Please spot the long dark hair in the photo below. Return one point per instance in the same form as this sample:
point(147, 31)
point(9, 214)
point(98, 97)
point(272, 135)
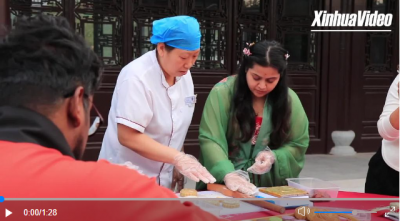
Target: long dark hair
point(266, 54)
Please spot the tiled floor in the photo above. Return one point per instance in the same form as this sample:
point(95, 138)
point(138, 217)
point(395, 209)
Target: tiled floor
point(347, 172)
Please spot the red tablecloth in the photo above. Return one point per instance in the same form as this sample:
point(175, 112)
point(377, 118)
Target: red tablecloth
point(351, 204)
point(344, 194)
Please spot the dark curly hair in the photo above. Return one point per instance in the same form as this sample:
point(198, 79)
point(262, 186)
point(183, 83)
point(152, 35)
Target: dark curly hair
point(42, 61)
point(266, 54)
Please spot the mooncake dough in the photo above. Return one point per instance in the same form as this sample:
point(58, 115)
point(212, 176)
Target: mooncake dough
point(231, 204)
point(188, 192)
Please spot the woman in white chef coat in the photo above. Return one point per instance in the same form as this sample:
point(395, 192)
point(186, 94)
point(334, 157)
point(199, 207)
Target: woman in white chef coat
point(152, 106)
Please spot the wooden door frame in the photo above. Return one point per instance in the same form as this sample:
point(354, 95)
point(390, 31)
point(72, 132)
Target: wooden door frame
point(5, 17)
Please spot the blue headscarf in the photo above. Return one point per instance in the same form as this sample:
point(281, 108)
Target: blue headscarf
point(181, 32)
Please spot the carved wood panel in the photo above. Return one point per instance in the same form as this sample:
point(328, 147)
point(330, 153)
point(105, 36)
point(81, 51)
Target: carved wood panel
point(100, 22)
point(143, 15)
point(214, 25)
point(250, 24)
point(34, 7)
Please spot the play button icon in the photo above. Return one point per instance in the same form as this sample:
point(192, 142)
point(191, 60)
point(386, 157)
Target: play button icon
point(8, 212)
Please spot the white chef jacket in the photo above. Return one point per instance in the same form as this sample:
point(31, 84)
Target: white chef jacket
point(390, 142)
point(144, 101)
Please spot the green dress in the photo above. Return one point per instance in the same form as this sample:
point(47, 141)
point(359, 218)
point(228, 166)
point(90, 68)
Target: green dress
point(221, 156)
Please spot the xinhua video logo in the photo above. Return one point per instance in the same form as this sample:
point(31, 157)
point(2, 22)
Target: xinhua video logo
point(360, 19)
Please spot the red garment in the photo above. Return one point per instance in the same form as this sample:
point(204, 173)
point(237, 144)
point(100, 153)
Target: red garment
point(257, 131)
point(32, 171)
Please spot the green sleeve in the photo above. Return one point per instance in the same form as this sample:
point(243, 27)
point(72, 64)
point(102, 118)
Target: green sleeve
point(290, 157)
point(212, 133)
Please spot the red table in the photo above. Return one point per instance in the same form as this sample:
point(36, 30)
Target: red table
point(358, 204)
point(344, 194)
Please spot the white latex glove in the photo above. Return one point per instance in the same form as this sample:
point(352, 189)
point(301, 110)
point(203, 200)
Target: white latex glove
point(190, 167)
point(263, 162)
point(239, 181)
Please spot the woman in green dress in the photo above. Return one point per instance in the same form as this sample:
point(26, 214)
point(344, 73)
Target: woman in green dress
point(254, 130)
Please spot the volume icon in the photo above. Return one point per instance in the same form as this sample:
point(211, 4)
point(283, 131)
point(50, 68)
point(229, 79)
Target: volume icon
point(302, 210)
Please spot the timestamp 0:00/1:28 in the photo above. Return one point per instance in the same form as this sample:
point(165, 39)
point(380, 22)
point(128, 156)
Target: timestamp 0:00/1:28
point(40, 212)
